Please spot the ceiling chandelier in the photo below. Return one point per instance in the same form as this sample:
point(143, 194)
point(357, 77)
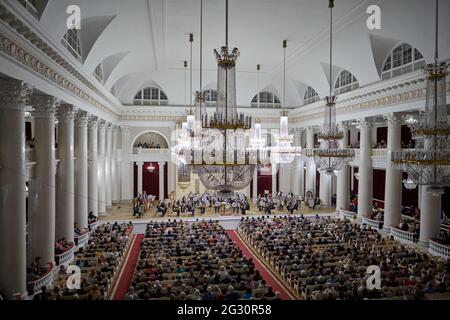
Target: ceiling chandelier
point(283, 151)
point(429, 165)
point(214, 147)
point(151, 168)
point(329, 158)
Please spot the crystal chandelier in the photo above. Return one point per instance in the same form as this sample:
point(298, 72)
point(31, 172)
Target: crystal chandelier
point(283, 151)
point(329, 158)
point(430, 165)
point(151, 168)
point(214, 146)
point(409, 184)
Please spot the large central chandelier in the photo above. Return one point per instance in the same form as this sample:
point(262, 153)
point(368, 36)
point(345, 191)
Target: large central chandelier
point(329, 158)
point(429, 165)
point(214, 146)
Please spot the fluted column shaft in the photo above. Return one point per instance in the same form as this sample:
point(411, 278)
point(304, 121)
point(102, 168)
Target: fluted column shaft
point(274, 178)
point(365, 188)
point(296, 167)
point(41, 205)
point(255, 184)
point(343, 183)
point(114, 167)
point(430, 215)
point(81, 170)
point(161, 180)
point(13, 96)
point(140, 166)
point(101, 168)
point(108, 166)
point(93, 165)
point(393, 185)
point(65, 178)
point(311, 166)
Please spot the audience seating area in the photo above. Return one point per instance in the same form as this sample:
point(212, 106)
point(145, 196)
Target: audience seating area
point(198, 261)
point(99, 262)
point(327, 258)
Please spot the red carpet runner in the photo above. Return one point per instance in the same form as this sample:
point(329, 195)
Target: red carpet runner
point(268, 277)
point(128, 269)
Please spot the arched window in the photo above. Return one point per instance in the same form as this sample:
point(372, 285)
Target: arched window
point(98, 73)
point(266, 99)
point(210, 96)
point(311, 96)
point(345, 82)
point(72, 43)
point(151, 96)
point(403, 59)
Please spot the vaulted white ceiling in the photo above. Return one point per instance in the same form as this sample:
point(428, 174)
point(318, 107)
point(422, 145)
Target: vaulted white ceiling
point(143, 42)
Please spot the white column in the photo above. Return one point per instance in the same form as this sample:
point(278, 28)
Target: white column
point(255, 184)
point(108, 165)
point(310, 166)
point(115, 176)
point(81, 170)
point(297, 170)
point(365, 198)
point(101, 168)
point(325, 190)
point(430, 216)
point(126, 165)
point(274, 178)
point(13, 96)
point(41, 200)
point(139, 177)
point(93, 165)
point(161, 180)
point(393, 186)
point(343, 187)
point(64, 223)
point(170, 178)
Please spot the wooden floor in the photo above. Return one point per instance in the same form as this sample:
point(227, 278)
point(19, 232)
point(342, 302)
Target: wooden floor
point(124, 211)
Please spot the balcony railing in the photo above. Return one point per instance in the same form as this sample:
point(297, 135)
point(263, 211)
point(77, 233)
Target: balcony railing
point(66, 257)
point(439, 250)
point(402, 236)
point(94, 225)
point(344, 214)
point(379, 153)
point(44, 281)
point(376, 224)
point(150, 151)
point(82, 239)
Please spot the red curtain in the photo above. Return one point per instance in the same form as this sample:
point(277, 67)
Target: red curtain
point(406, 135)
point(264, 182)
point(379, 180)
point(409, 197)
point(382, 134)
point(135, 178)
point(317, 182)
point(150, 180)
point(28, 133)
point(355, 181)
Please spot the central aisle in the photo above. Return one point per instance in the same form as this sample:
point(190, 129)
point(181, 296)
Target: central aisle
point(265, 273)
point(126, 275)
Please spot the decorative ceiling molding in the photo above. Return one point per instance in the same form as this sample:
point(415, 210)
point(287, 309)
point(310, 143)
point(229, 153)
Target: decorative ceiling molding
point(23, 57)
point(19, 27)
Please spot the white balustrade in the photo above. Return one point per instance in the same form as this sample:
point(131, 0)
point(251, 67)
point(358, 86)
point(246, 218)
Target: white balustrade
point(376, 224)
point(439, 250)
point(66, 257)
point(402, 236)
point(379, 153)
point(44, 281)
point(151, 151)
point(94, 225)
point(81, 240)
point(344, 214)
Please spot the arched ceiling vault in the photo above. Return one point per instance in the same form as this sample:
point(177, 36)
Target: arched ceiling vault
point(147, 40)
